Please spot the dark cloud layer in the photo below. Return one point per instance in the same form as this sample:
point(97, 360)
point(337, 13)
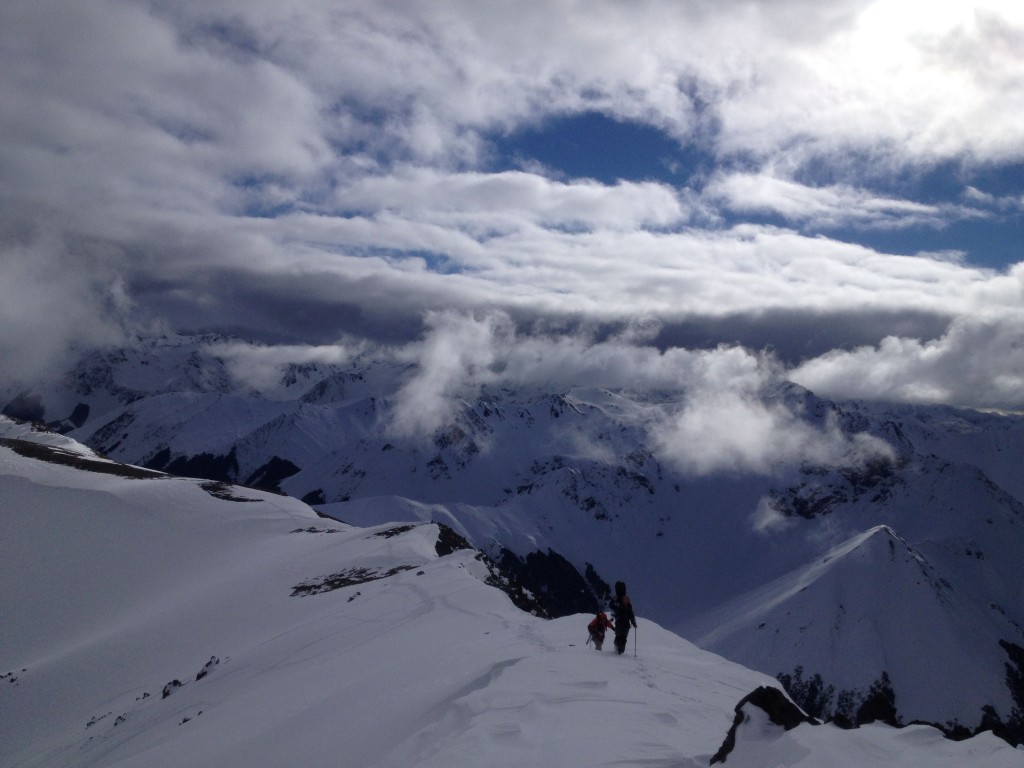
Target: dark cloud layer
point(797, 336)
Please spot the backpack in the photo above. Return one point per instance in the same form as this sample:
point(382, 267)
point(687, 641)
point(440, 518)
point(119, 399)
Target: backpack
point(621, 604)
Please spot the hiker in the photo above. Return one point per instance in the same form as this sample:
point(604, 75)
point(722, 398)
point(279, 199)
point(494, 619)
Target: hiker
point(597, 626)
point(624, 616)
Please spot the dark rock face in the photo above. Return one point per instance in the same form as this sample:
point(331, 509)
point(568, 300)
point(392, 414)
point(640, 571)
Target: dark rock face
point(207, 466)
point(522, 598)
point(315, 497)
point(824, 491)
point(26, 406)
point(79, 415)
point(449, 541)
point(77, 418)
point(879, 704)
point(346, 578)
point(598, 586)
point(269, 476)
point(780, 709)
point(553, 579)
point(775, 703)
point(1013, 728)
point(66, 458)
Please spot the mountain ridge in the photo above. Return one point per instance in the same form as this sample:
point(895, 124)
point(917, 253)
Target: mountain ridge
point(577, 471)
point(180, 630)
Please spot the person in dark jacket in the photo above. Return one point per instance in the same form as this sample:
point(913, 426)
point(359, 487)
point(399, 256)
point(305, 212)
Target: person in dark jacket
point(622, 606)
point(597, 627)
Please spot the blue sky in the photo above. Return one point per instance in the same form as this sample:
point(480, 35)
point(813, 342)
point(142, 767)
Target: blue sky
point(838, 187)
point(595, 146)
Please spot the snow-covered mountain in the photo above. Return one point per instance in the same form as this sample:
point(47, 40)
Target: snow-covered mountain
point(828, 613)
point(898, 576)
point(151, 620)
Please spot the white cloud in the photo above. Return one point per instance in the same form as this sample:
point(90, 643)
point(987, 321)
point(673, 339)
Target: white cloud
point(315, 169)
point(722, 425)
point(502, 258)
point(769, 519)
point(905, 80)
point(51, 308)
point(455, 359)
point(262, 366)
point(478, 200)
point(837, 205)
point(1012, 203)
point(979, 362)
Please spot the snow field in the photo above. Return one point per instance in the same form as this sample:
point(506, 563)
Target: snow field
point(116, 588)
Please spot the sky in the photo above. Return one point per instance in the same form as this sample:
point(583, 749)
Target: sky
point(836, 190)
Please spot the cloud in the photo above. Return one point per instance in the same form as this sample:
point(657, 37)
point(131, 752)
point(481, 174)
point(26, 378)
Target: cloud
point(978, 362)
point(455, 359)
point(767, 518)
point(51, 308)
point(505, 259)
point(831, 206)
point(304, 173)
point(1003, 203)
point(893, 80)
point(261, 367)
point(722, 424)
point(480, 202)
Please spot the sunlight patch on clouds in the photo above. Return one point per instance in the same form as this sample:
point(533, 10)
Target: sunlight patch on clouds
point(905, 81)
point(885, 31)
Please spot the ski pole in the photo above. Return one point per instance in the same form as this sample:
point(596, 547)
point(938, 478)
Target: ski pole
point(635, 633)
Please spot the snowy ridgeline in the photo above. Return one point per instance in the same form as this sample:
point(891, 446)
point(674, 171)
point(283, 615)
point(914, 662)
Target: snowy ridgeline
point(155, 621)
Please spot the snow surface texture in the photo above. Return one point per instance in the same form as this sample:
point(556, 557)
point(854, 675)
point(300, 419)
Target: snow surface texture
point(905, 565)
point(153, 621)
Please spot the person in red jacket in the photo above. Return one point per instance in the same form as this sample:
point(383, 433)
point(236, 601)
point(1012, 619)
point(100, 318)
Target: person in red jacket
point(597, 626)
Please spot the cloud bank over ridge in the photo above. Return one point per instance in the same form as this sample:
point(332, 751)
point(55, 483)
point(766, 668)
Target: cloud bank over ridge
point(727, 415)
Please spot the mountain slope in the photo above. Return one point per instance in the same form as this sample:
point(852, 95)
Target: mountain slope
point(824, 619)
point(155, 621)
point(542, 475)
